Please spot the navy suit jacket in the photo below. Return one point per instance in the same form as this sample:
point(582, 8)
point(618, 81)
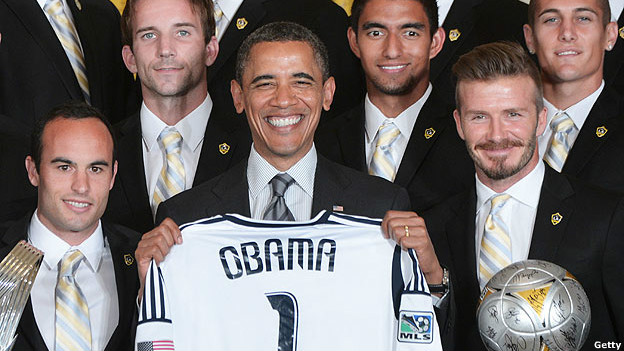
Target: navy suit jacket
point(122, 243)
point(588, 242)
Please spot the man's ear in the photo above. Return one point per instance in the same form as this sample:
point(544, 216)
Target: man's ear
point(31, 168)
point(128, 58)
point(237, 96)
point(458, 125)
point(353, 43)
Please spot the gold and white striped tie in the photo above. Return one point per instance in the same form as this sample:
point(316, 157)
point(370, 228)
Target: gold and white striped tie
point(560, 144)
point(172, 178)
point(67, 35)
point(495, 252)
point(218, 15)
point(73, 329)
point(382, 163)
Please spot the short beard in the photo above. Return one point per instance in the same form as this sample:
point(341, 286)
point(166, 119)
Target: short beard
point(397, 90)
point(499, 171)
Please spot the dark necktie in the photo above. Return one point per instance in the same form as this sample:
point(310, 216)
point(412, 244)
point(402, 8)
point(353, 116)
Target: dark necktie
point(277, 209)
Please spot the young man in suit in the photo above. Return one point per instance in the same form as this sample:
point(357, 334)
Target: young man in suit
point(239, 18)
point(73, 166)
point(36, 70)
point(395, 41)
point(614, 59)
point(180, 137)
point(585, 124)
point(519, 205)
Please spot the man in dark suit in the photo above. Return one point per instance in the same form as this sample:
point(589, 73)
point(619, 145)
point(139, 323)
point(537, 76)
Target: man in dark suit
point(517, 200)
point(395, 41)
point(73, 166)
point(584, 115)
point(469, 23)
point(614, 59)
point(36, 72)
point(175, 97)
point(323, 17)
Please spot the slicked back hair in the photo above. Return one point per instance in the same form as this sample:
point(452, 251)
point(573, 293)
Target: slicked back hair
point(281, 32)
point(430, 6)
point(203, 8)
point(497, 60)
point(70, 110)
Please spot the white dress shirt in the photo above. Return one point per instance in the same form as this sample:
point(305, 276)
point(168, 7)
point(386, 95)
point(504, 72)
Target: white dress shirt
point(444, 6)
point(518, 213)
point(577, 112)
point(405, 121)
point(95, 277)
point(298, 196)
point(229, 8)
point(616, 9)
point(192, 128)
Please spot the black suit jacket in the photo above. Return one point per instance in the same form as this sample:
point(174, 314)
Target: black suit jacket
point(36, 73)
point(323, 17)
point(129, 202)
point(477, 22)
point(614, 61)
point(596, 159)
point(357, 193)
point(432, 169)
point(588, 242)
point(122, 243)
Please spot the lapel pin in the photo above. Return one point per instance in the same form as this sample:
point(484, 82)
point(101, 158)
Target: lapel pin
point(128, 259)
point(241, 23)
point(601, 131)
point(621, 32)
point(429, 132)
point(454, 34)
point(224, 148)
point(78, 5)
point(556, 218)
point(337, 208)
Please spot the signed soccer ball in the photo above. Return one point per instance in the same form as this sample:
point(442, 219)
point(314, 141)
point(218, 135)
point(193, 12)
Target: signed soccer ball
point(533, 305)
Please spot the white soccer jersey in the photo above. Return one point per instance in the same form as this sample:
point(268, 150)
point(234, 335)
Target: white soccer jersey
point(325, 284)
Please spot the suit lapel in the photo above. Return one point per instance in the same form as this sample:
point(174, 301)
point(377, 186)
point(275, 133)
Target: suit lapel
point(27, 327)
point(41, 31)
point(329, 185)
point(604, 113)
point(130, 155)
point(553, 211)
point(252, 11)
point(458, 24)
point(351, 139)
point(233, 192)
point(431, 122)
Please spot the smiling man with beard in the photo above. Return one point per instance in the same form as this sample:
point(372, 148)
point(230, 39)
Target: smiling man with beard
point(519, 208)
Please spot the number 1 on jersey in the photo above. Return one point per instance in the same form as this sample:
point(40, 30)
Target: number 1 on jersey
point(286, 306)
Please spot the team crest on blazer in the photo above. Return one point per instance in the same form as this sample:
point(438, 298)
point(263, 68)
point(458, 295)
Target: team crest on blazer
point(128, 259)
point(454, 34)
point(224, 148)
point(241, 23)
point(601, 131)
point(622, 32)
point(556, 218)
point(429, 132)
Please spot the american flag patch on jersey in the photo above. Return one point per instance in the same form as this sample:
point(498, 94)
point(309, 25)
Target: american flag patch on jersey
point(155, 345)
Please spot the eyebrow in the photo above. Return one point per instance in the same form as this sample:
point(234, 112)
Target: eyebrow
point(303, 75)
point(576, 10)
point(270, 76)
point(94, 163)
point(415, 25)
point(262, 77)
point(177, 25)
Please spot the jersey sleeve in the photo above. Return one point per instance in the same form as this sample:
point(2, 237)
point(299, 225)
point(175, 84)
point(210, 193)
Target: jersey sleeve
point(155, 326)
point(417, 324)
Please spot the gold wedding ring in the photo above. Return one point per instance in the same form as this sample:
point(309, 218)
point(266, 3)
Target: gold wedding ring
point(406, 231)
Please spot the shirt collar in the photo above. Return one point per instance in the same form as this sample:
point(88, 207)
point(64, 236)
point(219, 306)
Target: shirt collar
point(577, 112)
point(260, 172)
point(55, 248)
point(192, 127)
point(229, 7)
point(527, 190)
point(405, 121)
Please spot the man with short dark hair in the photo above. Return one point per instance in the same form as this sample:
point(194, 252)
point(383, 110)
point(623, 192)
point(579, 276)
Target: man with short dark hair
point(519, 208)
point(91, 306)
point(181, 136)
point(585, 124)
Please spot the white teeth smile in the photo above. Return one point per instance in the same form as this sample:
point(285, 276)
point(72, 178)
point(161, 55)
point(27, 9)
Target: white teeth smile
point(77, 204)
point(567, 53)
point(393, 67)
point(283, 122)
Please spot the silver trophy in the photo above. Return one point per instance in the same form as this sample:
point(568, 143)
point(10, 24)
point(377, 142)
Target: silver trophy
point(17, 274)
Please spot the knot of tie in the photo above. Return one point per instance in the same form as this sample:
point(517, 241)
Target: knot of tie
point(388, 134)
point(280, 183)
point(70, 262)
point(561, 143)
point(277, 209)
point(562, 123)
point(171, 140)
